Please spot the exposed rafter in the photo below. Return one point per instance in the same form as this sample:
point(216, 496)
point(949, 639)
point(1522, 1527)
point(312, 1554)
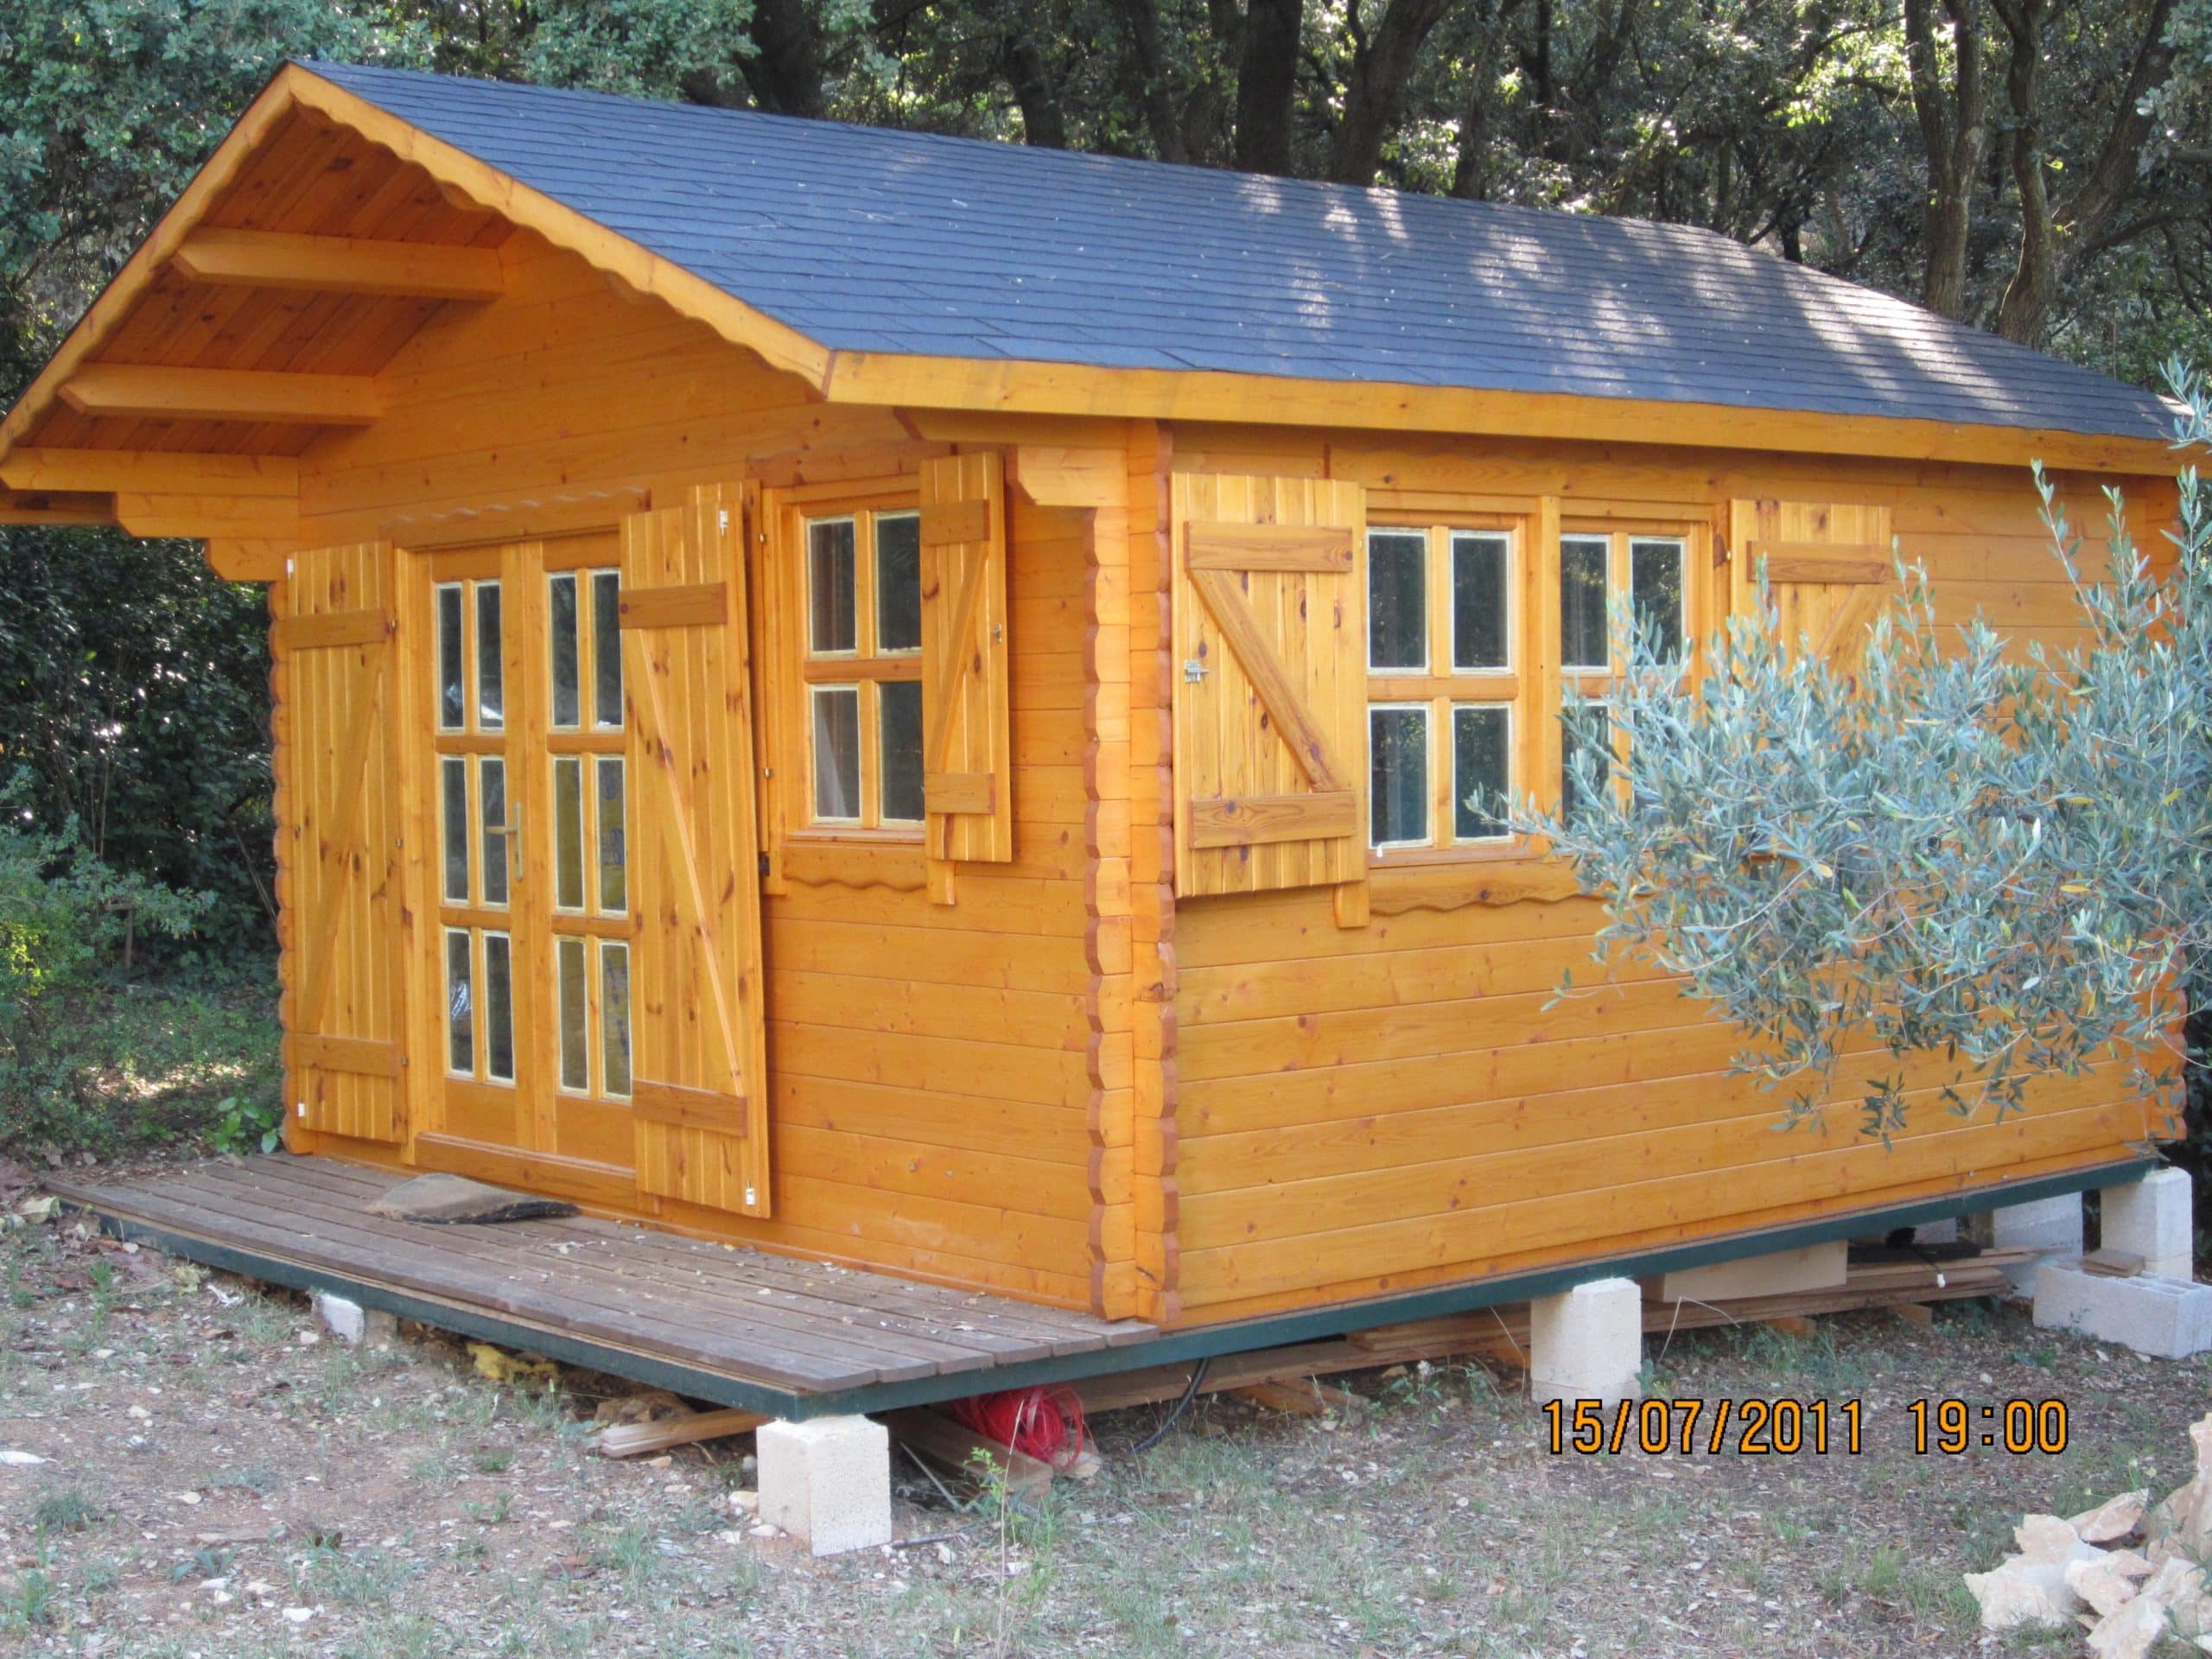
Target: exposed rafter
point(55, 507)
point(339, 265)
point(132, 392)
point(149, 471)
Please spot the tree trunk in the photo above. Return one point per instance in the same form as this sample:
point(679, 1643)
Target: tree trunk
point(1953, 126)
point(2027, 296)
point(1044, 123)
point(1380, 66)
point(1159, 96)
point(1267, 79)
point(784, 70)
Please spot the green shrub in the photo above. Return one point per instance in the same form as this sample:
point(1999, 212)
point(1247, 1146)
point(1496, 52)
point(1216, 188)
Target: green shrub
point(95, 1056)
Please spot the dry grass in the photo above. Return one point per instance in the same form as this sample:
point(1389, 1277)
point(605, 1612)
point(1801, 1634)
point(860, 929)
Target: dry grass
point(211, 1468)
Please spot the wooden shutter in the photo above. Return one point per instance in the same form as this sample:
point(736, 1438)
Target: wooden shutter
point(698, 1041)
point(343, 1013)
point(967, 745)
point(1829, 565)
point(1270, 683)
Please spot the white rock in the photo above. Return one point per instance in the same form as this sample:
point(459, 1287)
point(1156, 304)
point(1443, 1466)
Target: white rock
point(2021, 1592)
point(299, 1615)
point(14, 1459)
point(2131, 1631)
point(2114, 1518)
point(2096, 1582)
point(2047, 1538)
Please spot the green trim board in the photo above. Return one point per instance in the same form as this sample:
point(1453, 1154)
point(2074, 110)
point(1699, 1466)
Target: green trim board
point(1201, 1341)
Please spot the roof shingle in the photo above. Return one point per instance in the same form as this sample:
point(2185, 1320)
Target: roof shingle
point(865, 239)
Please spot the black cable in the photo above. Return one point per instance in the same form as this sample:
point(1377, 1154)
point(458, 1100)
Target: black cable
point(1190, 1393)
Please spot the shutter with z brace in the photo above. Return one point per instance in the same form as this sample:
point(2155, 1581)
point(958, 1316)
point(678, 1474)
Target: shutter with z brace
point(340, 812)
point(1829, 565)
point(699, 1060)
point(1270, 683)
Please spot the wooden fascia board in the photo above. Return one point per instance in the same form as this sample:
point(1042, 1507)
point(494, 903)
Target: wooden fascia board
point(1055, 388)
point(779, 344)
point(341, 264)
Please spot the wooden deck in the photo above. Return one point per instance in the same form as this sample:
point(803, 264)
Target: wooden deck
point(738, 1326)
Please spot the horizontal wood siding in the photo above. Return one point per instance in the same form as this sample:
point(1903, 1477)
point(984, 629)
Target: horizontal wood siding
point(932, 1070)
point(1374, 1109)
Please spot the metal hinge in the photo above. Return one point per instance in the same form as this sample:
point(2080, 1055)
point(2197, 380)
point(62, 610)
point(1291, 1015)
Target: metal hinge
point(721, 520)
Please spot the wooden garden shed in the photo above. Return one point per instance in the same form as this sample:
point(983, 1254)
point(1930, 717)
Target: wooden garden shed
point(912, 702)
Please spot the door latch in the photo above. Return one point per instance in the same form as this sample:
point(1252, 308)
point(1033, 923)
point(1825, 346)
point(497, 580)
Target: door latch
point(1194, 672)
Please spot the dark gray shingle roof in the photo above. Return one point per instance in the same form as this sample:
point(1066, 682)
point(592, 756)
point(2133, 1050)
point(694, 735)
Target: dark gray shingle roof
point(868, 239)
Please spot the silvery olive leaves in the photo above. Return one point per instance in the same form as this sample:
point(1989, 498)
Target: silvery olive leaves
point(1997, 861)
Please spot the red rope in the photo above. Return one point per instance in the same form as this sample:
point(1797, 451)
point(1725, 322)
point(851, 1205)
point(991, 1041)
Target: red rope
point(1043, 1423)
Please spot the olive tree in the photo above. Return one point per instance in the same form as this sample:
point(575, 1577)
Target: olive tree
point(1998, 858)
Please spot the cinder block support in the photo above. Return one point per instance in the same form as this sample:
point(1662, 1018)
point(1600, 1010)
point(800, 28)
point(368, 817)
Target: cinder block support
point(2153, 1218)
point(2169, 1319)
point(2052, 1227)
point(827, 1481)
point(1588, 1343)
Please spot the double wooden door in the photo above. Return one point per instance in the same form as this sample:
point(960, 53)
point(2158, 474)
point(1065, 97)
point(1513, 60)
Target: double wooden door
point(533, 807)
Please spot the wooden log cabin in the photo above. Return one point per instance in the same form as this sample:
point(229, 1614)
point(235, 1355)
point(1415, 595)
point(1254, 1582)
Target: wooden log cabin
point(914, 703)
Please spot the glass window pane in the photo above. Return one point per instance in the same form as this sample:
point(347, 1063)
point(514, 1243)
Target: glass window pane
point(829, 576)
point(576, 1062)
point(613, 851)
point(900, 716)
point(561, 619)
point(1654, 581)
point(491, 803)
point(1582, 632)
point(1589, 725)
point(1480, 601)
point(460, 1005)
point(452, 770)
point(606, 647)
point(491, 672)
point(568, 831)
point(1481, 771)
point(499, 1009)
point(838, 752)
point(1397, 599)
point(1398, 757)
point(899, 581)
point(452, 701)
point(614, 1017)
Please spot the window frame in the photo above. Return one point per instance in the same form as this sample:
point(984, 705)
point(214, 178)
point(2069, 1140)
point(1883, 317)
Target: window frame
point(1444, 686)
point(792, 671)
point(1595, 685)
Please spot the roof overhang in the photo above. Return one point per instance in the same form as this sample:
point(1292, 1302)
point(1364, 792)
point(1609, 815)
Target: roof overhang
point(249, 502)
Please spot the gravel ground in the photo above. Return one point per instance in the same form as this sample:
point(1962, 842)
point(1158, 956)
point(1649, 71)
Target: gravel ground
point(221, 1479)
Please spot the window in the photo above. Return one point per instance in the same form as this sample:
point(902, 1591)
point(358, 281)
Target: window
point(1441, 686)
point(860, 575)
point(1652, 572)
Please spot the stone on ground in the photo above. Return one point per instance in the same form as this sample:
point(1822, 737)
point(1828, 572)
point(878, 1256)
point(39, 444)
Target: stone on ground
point(454, 1200)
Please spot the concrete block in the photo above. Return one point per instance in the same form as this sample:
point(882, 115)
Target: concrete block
point(1815, 1267)
point(1587, 1343)
point(2170, 1318)
point(2154, 1218)
point(827, 1481)
point(2049, 1226)
point(353, 1324)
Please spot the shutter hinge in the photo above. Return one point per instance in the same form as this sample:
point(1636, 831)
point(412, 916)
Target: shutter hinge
point(764, 863)
point(721, 521)
point(749, 1197)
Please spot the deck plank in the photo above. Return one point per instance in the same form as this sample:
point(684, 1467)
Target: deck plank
point(786, 1323)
